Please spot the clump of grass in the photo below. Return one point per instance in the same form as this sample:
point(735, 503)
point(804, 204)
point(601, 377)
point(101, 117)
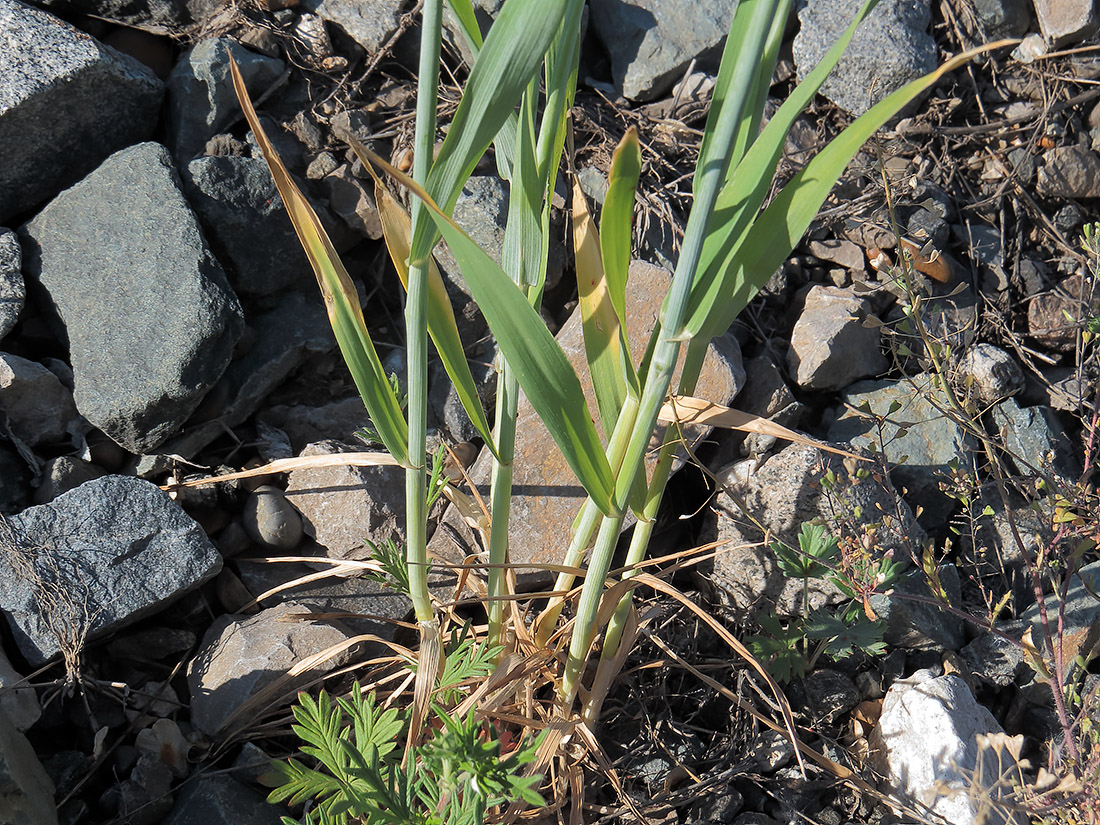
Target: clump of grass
point(517, 99)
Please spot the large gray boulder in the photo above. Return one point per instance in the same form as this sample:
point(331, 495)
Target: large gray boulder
point(95, 559)
point(66, 102)
point(890, 48)
point(148, 316)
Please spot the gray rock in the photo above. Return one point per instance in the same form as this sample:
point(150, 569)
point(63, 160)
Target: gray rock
point(15, 479)
point(996, 660)
point(830, 694)
point(919, 441)
point(26, 792)
point(64, 473)
point(1069, 172)
point(349, 199)
point(1064, 22)
point(240, 656)
point(1054, 317)
point(988, 374)
point(149, 318)
point(913, 624)
point(38, 407)
point(771, 750)
point(890, 48)
point(244, 219)
point(285, 337)
point(344, 508)
point(95, 559)
point(926, 745)
point(201, 100)
point(337, 420)
point(445, 404)
point(20, 704)
point(368, 25)
point(482, 210)
point(66, 103)
point(841, 252)
point(213, 799)
point(546, 494)
point(1035, 435)
point(270, 519)
point(651, 42)
point(830, 346)
point(1003, 18)
point(1081, 611)
point(13, 293)
point(950, 320)
point(782, 494)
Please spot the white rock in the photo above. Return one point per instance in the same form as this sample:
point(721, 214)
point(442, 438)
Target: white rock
point(926, 744)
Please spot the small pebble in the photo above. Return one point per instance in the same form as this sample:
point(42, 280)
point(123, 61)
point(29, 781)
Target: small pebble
point(271, 520)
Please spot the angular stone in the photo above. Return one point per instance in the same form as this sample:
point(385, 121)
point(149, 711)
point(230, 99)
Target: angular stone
point(246, 223)
point(13, 292)
point(988, 373)
point(62, 474)
point(213, 799)
point(1069, 172)
point(781, 495)
point(546, 495)
point(1066, 21)
point(918, 440)
point(39, 407)
point(841, 252)
point(21, 703)
point(1053, 318)
point(1003, 18)
point(369, 25)
point(830, 346)
point(240, 656)
point(303, 424)
point(651, 42)
point(95, 559)
point(201, 100)
point(925, 744)
point(149, 318)
point(890, 48)
point(1037, 437)
point(344, 508)
point(917, 624)
point(66, 103)
point(26, 792)
point(349, 199)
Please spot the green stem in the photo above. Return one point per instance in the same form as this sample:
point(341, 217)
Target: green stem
point(709, 179)
point(416, 324)
point(501, 496)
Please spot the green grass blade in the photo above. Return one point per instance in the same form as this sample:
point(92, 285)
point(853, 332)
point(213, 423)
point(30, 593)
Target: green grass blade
point(543, 371)
point(341, 298)
point(616, 218)
point(464, 11)
point(603, 334)
point(397, 231)
point(780, 227)
point(748, 184)
point(511, 55)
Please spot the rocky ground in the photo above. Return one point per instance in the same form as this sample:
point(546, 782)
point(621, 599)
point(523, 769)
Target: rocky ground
point(158, 322)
